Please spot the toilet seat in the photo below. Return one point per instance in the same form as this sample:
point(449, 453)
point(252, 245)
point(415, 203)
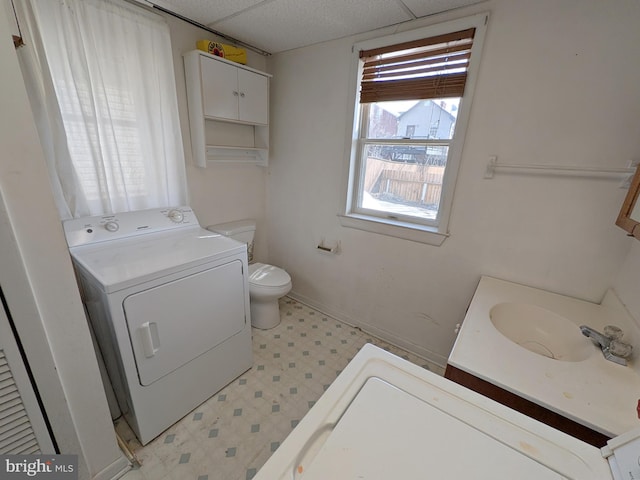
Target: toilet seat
point(267, 276)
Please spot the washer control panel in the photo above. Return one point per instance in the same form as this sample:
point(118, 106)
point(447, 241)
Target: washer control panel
point(101, 228)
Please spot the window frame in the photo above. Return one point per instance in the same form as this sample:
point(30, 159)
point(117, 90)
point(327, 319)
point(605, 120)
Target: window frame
point(429, 232)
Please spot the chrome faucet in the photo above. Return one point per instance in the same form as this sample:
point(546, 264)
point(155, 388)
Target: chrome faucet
point(613, 349)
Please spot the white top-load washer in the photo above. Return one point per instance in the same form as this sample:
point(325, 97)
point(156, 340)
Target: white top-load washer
point(168, 302)
point(385, 418)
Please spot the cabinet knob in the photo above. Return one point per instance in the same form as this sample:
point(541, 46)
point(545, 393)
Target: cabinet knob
point(235, 94)
point(242, 94)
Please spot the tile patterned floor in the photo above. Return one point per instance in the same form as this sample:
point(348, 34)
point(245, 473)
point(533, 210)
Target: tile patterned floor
point(230, 436)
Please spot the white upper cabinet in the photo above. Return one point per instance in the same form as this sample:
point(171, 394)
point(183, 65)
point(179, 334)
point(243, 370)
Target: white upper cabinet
point(234, 94)
point(222, 91)
point(253, 90)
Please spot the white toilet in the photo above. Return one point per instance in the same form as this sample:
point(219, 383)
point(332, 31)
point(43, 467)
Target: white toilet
point(266, 282)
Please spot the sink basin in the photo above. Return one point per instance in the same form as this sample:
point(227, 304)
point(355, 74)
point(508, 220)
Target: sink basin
point(541, 331)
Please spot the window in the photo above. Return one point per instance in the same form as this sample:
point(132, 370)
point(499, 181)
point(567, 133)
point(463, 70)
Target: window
point(413, 97)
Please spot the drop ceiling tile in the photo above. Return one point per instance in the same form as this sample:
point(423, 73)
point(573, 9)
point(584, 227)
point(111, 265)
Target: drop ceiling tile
point(281, 25)
point(422, 8)
point(206, 11)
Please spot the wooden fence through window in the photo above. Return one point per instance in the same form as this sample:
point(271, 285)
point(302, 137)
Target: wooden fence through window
point(407, 183)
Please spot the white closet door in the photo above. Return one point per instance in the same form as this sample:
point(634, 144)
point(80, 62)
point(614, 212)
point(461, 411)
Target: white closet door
point(22, 427)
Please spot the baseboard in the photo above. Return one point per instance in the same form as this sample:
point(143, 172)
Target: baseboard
point(115, 470)
point(382, 334)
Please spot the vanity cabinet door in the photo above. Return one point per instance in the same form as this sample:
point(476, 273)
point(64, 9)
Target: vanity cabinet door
point(219, 89)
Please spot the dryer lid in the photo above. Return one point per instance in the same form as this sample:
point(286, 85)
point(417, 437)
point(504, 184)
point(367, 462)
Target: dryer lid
point(267, 275)
point(120, 264)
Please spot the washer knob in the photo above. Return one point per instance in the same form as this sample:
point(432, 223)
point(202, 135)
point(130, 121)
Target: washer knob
point(176, 215)
point(111, 226)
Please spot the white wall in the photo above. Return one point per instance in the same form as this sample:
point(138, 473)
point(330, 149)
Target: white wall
point(627, 284)
point(218, 193)
point(557, 85)
point(41, 293)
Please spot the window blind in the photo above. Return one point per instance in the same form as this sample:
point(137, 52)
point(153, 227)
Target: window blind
point(434, 67)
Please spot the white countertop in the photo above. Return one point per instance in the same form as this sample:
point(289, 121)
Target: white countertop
point(594, 392)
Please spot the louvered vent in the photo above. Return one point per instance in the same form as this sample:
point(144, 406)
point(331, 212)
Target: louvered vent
point(16, 434)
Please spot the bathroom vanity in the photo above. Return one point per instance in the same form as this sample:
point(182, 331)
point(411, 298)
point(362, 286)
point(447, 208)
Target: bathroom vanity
point(523, 347)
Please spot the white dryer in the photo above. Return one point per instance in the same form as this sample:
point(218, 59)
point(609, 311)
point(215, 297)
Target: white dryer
point(168, 302)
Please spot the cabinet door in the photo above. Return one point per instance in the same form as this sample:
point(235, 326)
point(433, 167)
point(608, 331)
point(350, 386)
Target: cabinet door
point(254, 97)
point(219, 89)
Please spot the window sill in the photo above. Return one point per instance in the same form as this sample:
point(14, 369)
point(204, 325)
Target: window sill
point(404, 230)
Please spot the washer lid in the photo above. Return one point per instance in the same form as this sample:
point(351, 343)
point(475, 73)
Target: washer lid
point(386, 418)
point(387, 433)
point(622, 454)
point(267, 275)
point(119, 264)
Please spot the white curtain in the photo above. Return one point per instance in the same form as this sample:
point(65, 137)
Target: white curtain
point(101, 80)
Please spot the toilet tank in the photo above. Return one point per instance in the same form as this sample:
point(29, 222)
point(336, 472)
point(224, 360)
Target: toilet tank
point(241, 230)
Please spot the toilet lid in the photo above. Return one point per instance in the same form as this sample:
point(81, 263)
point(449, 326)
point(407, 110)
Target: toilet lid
point(267, 275)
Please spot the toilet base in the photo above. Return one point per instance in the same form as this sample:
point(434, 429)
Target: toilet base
point(265, 315)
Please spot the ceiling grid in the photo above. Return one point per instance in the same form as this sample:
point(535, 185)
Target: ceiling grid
point(280, 25)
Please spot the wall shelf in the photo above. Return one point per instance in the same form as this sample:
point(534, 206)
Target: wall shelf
point(235, 154)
